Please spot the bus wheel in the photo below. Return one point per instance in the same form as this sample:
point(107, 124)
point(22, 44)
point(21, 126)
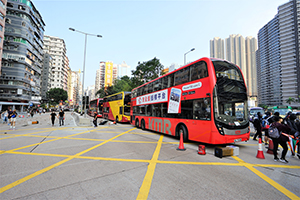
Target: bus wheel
point(137, 124)
point(117, 119)
point(182, 129)
point(143, 124)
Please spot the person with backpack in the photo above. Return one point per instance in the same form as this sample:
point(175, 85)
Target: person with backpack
point(275, 130)
point(265, 126)
point(258, 126)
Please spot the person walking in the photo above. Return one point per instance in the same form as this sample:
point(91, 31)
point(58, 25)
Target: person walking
point(52, 117)
point(258, 126)
point(95, 119)
point(13, 119)
point(61, 115)
point(9, 116)
point(5, 117)
point(281, 140)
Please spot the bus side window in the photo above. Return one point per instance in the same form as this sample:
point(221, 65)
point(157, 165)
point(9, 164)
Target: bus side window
point(198, 70)
point(171, 80)
point(150, 87)
point(187, 109)
point(149, 110)
point(164, 82)
point(201, 109)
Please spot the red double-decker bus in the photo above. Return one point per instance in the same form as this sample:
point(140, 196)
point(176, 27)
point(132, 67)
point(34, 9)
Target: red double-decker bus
point(96, 105)
point(205, 101)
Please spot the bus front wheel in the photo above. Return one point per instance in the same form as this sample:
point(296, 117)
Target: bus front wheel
point(182, 130)
point(117, 119)
point(137, 124)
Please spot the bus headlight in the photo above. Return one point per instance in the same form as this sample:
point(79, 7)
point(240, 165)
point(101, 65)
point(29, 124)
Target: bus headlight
point(220, 129)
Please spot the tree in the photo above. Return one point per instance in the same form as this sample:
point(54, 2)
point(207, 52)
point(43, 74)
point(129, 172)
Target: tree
point(146, 72)
point(122, 84)
point(57, 94)
point(290, 100)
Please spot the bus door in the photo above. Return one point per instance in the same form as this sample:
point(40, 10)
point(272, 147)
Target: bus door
point(120, 113)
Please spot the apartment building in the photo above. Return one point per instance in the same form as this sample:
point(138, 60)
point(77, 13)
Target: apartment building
point(278, 63)
point(22, 55)
point(56, 47)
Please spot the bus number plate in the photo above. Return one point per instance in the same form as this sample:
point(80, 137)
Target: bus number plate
point(238, 140)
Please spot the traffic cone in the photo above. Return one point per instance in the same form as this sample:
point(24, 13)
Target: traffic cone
point(260, 153)
point(270, 147)
point(201, 150)
point(181, 146)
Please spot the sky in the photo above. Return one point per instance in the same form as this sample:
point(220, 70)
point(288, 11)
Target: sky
point(139, 30)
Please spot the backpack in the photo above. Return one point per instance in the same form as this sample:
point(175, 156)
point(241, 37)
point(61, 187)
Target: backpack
point(274, 132)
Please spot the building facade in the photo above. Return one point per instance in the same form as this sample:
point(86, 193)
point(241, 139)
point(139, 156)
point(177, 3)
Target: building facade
point(56, 47)
point(46, 77)
point(278, 64)
point(241, 52)
point(2, 26)
point(22, 54)
point(217, 48)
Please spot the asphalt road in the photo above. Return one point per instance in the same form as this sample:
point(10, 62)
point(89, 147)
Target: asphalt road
point(38, 161)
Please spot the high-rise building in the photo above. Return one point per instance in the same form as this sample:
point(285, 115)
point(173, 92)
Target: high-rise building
point(235, 51)
point(22, 54)
point(278, 63)
point(251, 74)
point(123, 70)
point(105, 75)
point(56, 47)
point(75, 87)
point(46, 77)
point(217, 48)
point(2, 25)
point(241, 52)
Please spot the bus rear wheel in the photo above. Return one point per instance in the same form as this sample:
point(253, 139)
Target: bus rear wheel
point(182, 130)
point(143, 124)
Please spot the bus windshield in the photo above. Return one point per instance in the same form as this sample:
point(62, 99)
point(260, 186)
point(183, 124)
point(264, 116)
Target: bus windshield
point(230, 95)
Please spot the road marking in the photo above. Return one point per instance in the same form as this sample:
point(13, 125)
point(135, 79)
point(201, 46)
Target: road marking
point(267, 179)
point(22, 180)
point(146, 185)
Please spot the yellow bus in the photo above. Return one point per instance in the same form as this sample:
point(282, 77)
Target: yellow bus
point(116, 107)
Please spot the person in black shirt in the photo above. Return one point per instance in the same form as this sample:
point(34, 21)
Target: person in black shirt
point(61, 115)
point(52, 117)
point(95, 119)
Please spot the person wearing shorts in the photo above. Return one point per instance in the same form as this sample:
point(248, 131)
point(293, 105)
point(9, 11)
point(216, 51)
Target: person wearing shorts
point(13, 119)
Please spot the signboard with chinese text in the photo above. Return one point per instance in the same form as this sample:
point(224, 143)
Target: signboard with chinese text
point(155, 97)
point(108, 74)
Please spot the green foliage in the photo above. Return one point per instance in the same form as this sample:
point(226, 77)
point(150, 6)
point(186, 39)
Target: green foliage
point(57, 94)
point(263, 106)
point(146, 72)
point(290, 100)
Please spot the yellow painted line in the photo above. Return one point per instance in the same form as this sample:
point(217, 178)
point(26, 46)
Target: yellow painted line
point(22, 180)
point(58, 138)
point(268, 180)
point(146, 185)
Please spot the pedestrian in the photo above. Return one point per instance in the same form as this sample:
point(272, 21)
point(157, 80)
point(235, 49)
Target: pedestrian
point(5, 116)
point(258, 126)
point(13, 119)
point(95, 119)
point(61, 115)
point(31, 112)
point(290, 120)
point(52, 117)
point(282, 128)
point(9, 116)
point(265, 125)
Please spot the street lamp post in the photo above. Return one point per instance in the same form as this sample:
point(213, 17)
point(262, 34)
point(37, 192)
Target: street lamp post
point(187, 53)
point(86, 34)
